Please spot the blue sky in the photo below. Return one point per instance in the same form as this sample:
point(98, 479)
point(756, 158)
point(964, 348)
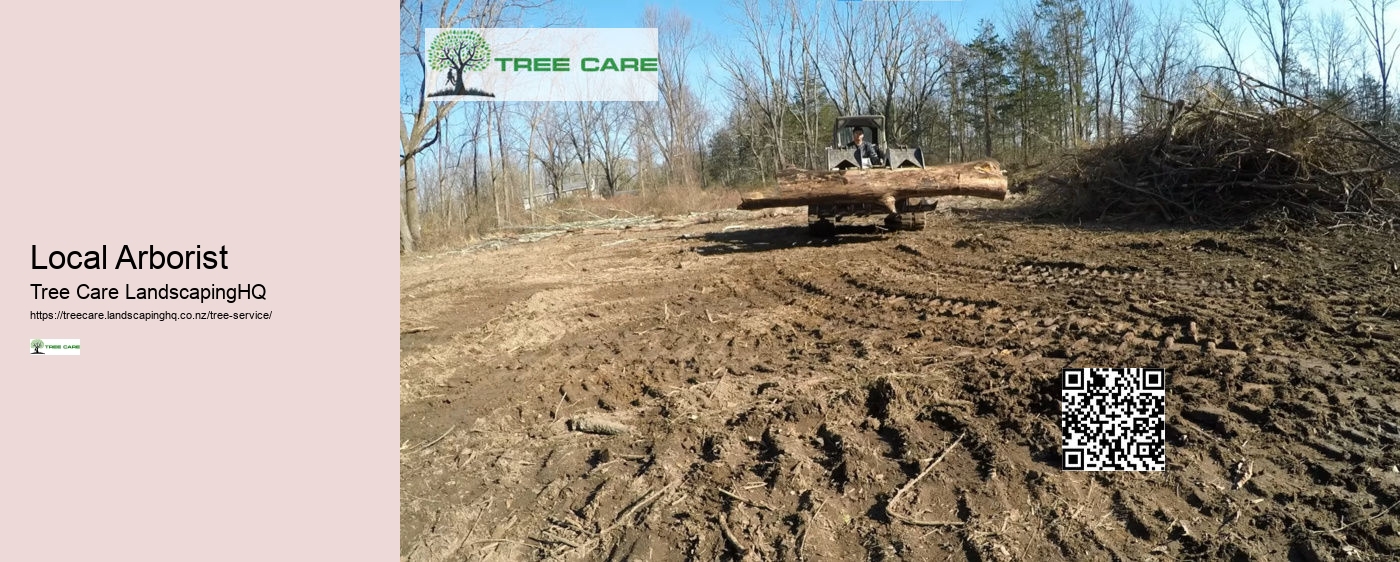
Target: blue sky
point(711, 18)
point(960, 16)
point(710, 15)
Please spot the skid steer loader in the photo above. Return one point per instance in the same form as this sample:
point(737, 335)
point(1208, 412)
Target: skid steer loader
point(909, 215)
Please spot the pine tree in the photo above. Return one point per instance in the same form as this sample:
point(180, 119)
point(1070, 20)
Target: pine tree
point(986, 83)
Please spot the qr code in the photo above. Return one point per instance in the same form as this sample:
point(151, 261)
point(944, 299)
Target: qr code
point(1113, 419)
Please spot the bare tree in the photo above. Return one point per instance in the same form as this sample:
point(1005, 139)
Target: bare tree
point(677, 120)
point(1275, 23)
point(1112, 25)
point(890, 32)
point(1124, 25)
point(1065, 35)
point(612, 138)
point(957, 58)
point(643, 147)
point(420, 117)
point(808, 93)
point(756, 64)
point(585, 117)
point(413, 134)
point(920, 85)
point(1165, 57)
point(554, 156)
point(1370, 14)
point(1333, 50)
point(1210, 18)
point(1024, 43)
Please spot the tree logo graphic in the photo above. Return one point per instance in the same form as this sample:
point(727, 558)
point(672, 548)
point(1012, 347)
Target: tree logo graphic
point(458, 51)
point(36, 344)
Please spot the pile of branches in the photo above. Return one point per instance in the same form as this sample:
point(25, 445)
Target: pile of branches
point(1281, 157)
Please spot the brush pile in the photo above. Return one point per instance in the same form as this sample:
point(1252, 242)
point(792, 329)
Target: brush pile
point(1284, 157)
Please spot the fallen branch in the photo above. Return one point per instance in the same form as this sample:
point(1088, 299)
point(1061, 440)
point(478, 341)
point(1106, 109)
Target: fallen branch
point(739, 548)
point(623, 520)
point(502, 541)
point(646, 500)
point(1354, 125)
point(425, 446)
point(1378, 515)
point(1275, 156)
point(557, 540)
point(736, 497)
point(554, 414)
point(890, 506)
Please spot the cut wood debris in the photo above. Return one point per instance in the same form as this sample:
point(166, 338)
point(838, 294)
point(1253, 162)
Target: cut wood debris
point(1274, 156)
point(598, 426)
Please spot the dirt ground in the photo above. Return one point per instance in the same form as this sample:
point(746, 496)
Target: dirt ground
point(770, 394)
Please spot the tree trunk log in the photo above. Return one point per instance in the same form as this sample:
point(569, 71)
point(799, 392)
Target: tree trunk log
point(405, 237)
point(405, 234)
point(410, 187)
point(982, 178)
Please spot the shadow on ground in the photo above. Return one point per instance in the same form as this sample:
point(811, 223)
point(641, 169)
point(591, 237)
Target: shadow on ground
point(785, 237)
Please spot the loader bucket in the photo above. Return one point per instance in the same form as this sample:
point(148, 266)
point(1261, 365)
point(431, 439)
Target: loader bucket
point(906, 158)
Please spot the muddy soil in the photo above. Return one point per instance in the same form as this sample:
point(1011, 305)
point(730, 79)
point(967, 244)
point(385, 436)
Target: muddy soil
point(737, 390)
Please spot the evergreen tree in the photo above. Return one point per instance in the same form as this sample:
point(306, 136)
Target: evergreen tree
point(986, 83)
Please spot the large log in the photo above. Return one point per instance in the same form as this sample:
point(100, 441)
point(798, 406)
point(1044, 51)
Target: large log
point(982, 178)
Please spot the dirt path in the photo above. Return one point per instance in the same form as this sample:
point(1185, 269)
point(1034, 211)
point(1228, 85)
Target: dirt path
point(780, 390)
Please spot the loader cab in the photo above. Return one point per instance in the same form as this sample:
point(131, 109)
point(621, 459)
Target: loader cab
point(845, 127)
point(839, 157)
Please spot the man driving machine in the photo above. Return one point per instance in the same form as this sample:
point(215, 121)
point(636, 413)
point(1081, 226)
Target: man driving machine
point(865, 150)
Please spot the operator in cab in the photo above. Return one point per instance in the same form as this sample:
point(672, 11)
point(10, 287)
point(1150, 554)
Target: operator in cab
point(864, 150)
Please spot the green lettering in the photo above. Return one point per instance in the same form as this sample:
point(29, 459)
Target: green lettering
point(522, 64)
point(649, 64)
point(609, 64)
point(583, 64)
point(561, 64)
point(503, 62)
point(629, 64)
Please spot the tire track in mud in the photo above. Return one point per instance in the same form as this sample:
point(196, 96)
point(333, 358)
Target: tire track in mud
point(902, 304)
point(788, 399)
point(967, 319)
point(879, 290)
point(1157, 306)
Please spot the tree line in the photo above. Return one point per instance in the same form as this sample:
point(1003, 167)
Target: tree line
point(1048, 76)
